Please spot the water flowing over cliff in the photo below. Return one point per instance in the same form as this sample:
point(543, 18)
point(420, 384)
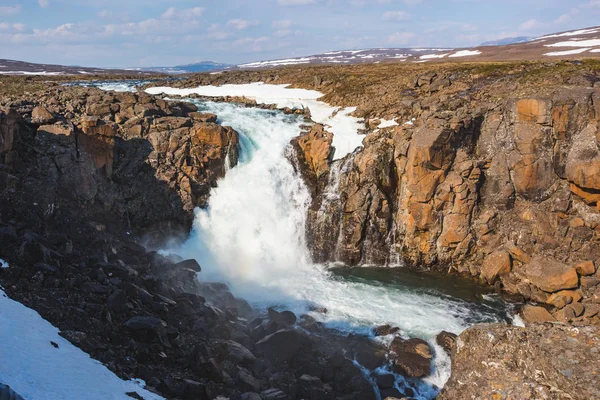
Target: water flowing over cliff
point(252, 236)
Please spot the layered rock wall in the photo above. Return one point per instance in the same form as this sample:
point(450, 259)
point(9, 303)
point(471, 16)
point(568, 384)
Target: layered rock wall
point(507, 192)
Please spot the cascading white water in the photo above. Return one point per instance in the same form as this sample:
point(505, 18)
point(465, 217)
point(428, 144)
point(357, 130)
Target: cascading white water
point(252, 236)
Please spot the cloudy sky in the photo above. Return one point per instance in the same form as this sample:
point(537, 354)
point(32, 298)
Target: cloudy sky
point(134, 33)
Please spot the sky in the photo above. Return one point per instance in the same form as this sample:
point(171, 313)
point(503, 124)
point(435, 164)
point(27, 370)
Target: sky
point(143, 33)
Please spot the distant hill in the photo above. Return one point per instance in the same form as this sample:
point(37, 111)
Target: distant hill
point(582, 43)
point(576, 44)
point(203, 66)
point(507, 41)
point(13, 67)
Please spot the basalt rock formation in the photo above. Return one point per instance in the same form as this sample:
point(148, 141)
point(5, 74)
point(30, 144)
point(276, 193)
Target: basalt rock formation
point(498, 185)
point(85, 176)
point(132, 160)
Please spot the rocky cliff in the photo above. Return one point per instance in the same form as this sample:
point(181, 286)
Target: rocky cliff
point(86, 178)
point(496, 181)
point(127, 159)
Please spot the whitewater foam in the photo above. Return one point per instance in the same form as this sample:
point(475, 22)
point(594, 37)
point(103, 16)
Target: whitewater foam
point(345, 128)
point(252, 236)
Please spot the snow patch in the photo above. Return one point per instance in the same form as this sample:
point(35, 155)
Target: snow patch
point(30, 73)
point(572, 33)
point(3, 264)
point(338, 121)
point(595, 51)
point(576, 43)
point(37, 370)
point(465, 53)
point(289, 61)
point(567, 52)
point(387, 124)
point(431, 56)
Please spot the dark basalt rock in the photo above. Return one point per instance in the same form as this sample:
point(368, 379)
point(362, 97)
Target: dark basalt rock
point(447, 341)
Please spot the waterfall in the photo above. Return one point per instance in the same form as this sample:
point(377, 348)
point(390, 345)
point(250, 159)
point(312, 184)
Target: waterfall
point(252, 237)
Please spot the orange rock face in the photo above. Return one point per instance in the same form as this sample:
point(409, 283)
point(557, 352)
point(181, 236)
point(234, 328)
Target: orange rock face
point(550, 275)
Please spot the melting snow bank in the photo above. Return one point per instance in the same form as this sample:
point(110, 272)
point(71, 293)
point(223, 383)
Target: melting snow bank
point(338, 121)
point(38, 364)
point(566, 52)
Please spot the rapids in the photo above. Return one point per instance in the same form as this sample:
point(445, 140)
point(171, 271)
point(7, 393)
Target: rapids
point(252, 237)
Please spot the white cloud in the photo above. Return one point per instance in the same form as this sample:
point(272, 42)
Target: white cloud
point(44, 3)
point(241, 24)
point(105, 14)
point(9, 10)
point(295, 2)
point(189, 13)
point(529, 25)
point(282, 24)
point(395, 16)
point(401, 38)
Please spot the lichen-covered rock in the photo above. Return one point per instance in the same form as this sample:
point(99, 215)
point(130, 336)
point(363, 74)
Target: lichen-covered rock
point(541, 361)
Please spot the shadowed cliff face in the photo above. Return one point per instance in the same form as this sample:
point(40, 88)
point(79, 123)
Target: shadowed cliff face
point(504, 190)
point(127, 160)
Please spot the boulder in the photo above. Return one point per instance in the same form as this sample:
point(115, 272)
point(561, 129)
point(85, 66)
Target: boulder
point(283, 345)
point(41, 116)
point(447, 341)
point(412, 357)
point(240, 354)
point(189, 264)
point(495, 265)
point(284, 318)
point(585, 268)
point(532, 314)
point(146, 329)
point(384, 330)
point(550, 275)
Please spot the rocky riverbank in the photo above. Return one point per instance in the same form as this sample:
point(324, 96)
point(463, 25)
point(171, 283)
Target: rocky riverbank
point(489, 173)
point(88, 176)
point(488, 170)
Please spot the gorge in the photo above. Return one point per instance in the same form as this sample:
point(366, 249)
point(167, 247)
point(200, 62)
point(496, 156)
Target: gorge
point(485, 172)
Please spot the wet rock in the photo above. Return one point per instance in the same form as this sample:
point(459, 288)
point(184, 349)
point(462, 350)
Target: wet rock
point(447, 341)
point(391, 393)
point(385, 381)
point(189, 264)
point(247, 380)
point(75, 337)
point(283, 345)
point(385, 330)
point(284, 318)
point(240, 354)
point(412, 357)
point(117, 301)
point(273, 394)
point(251, 396)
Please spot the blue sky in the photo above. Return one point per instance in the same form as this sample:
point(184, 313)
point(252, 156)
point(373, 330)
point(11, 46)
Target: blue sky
point(135, 33)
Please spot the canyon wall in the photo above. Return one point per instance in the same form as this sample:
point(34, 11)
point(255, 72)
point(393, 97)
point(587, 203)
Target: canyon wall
point(505, 190)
